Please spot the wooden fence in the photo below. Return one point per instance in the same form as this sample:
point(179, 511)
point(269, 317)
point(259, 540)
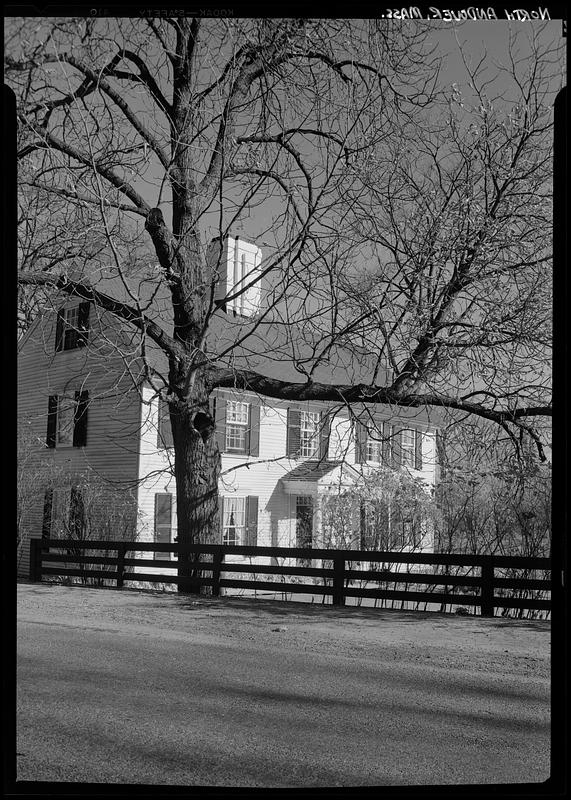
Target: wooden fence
point(340, 574)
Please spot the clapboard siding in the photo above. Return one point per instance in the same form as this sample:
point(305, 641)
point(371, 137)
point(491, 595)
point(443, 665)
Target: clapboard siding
point(122, 430)
point(276, 509)
point(113, 413)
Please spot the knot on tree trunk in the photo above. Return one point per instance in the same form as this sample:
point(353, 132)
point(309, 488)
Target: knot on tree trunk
point(204, 424)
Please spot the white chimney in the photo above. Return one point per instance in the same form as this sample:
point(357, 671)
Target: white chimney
point(236, 264)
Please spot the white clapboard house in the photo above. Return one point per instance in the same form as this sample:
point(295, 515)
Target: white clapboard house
point(89, 407)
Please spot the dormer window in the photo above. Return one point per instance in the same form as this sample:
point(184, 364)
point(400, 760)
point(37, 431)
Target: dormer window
point(72, 327)
point(236, 268)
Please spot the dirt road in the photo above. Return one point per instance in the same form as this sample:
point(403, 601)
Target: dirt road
point(136, 687)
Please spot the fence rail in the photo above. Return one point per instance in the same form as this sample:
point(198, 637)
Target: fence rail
point(339, 571)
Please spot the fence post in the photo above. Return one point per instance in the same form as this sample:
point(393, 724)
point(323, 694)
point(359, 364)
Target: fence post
point(35, 560)
point(121, 550)
point(338, 581)
point(217, 559)
point(487, 589)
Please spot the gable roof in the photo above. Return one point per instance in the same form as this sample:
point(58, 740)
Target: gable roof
point(275, 349)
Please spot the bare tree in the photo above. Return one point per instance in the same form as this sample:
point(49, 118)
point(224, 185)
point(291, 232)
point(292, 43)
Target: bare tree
point(294, 129)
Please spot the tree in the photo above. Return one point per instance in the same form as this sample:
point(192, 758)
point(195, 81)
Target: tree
point(285, 127)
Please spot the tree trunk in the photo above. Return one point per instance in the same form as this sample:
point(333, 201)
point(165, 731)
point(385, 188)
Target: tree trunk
point(197, 468)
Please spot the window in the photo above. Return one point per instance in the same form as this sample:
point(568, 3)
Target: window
point(411, 448)
point(237, 425)
point(378, 444)
point(237, 418)
point(234, 524)
point(392, 445)
point(163, 523)
point(307, 434)
point(72, 327)
point(373, 442)
point(240, 520)
point(67, 420)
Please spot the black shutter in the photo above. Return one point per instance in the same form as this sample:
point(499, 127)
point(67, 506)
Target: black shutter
point(324, 434)
point(164, 432)
point(59, 330)
point(76, 514)
point(418, 449)
point(80, 419)
point(293, 432)
point(52, 421)
point(47, 517)
point(220, 419)
point(396, 440)
point(361, 434)
point(83, 324)
point(251, 521)
point(254, 429)
point(387, 443)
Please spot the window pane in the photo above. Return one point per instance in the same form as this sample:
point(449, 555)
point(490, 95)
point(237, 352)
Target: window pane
point(309, 434)
point(236, 425)
point(71, 324)
point(234, 520)
point(65, 420)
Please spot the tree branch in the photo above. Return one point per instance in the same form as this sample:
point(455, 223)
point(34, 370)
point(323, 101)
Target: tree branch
point(119, 309)
point(362, 393)
point(49, 140)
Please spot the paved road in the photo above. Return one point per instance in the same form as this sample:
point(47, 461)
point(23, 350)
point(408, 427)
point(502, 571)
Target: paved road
point(177, 706)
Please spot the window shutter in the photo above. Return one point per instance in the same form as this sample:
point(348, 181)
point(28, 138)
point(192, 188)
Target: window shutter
point(324, 434)
point(80, 419)
point(47, 517)
point(293, 432)
point(361, 434)
point(220, 419)
point(387, 443)
point(83, 324)
point(251, 521)
point(418, 449)
point(59, 330)
point(76, 514)
point(52, 421)
point(221, 513)
point(254, 429)
point(164, 431)
point(396, 440)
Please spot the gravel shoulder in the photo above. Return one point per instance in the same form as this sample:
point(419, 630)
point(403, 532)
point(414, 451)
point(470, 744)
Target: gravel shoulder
point(506, 646)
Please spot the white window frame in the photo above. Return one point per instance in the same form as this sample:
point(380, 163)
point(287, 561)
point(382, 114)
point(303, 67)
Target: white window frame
point(237, 422)
point(233, 520)
point(309, 424)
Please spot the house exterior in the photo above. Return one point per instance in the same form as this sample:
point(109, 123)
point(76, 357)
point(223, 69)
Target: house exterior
point(87, 400)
